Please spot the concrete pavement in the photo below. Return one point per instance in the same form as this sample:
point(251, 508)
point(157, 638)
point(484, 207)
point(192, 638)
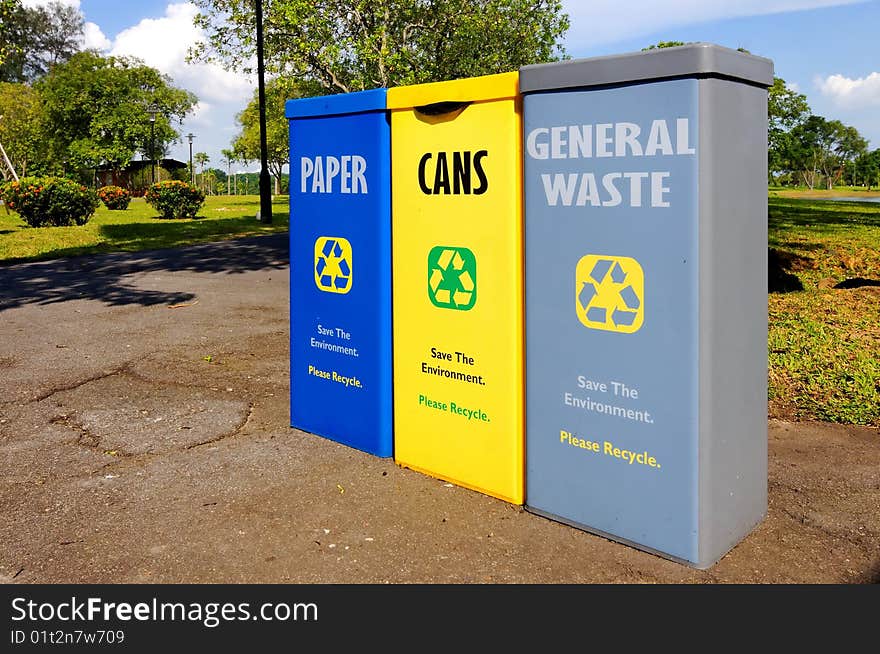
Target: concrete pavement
point(144, 438)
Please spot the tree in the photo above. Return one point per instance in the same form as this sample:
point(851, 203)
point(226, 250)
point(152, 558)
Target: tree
point(849, 146)
point(36, 38)
point(97, 109)
point(786, 109)
point(209, 182)
point(229, 158)
point(8, 47)
point(839, 145)
point(22, 129)
point(664, 44)
point(824, 147)
point(866, 169)
point(352, 45)
point(247, 143)
point(215, 180)
point(14, 26)
point(201, 159)
point(806, 149)
point(219, 174)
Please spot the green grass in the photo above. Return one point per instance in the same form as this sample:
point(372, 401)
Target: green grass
point(821, 192)
point(138, 228)
point(824, 345)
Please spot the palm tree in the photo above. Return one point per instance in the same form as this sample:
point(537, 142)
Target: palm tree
point(201, 158)
point(229, 157)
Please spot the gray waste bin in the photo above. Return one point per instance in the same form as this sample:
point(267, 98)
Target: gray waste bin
point(646, 296)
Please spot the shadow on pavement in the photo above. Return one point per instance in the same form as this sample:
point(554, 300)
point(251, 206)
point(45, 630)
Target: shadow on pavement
point(101, 277)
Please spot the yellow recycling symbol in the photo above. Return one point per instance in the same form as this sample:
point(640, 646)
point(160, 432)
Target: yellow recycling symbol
point(333, 272)
point(609, 293)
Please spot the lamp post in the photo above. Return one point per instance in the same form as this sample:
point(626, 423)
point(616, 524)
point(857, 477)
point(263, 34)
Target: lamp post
point(265, 215)
point(153, 110)
point(192, 172)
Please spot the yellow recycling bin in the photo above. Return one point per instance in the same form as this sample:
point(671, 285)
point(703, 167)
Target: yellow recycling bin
point(456, 152)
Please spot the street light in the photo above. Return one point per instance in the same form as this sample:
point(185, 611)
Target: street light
point(153, 110)
point(192, 172)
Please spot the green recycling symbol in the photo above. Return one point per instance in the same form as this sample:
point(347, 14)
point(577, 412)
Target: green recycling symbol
point(452, 278)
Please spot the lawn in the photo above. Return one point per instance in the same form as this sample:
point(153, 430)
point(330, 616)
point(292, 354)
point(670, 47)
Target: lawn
point(138, 228)
point(820, 193)
point(824, 346)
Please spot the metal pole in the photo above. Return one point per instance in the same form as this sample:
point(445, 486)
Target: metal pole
point(152, 110)
point(153, 150)
point(265, 215)
point(192, 172)
point(8, 170)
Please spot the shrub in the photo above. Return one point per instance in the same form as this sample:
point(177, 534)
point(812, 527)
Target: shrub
point(114, 198)
point(50, 201)
point(175, 199)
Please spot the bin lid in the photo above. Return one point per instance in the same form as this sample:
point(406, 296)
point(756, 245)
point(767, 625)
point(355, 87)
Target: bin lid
point(332, 105)
point(697, 59)
point(472, 89)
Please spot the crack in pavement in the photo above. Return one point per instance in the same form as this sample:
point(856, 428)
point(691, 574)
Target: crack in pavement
point(231, 434)
point(122, 369)
point(91, 441)
point(86, 438)
point(70, 387)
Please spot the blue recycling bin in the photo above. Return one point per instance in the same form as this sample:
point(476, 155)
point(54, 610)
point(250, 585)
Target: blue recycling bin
point(340, 269)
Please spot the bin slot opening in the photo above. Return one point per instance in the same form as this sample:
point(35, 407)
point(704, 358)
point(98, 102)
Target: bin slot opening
point(441, 108)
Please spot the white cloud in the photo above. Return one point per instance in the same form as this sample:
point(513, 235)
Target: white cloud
point(201, 115)
point(94, 38)
point(600, 22)
point(848, 93)
point(163, 43)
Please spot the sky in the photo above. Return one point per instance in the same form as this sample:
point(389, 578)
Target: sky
point(825, 49)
